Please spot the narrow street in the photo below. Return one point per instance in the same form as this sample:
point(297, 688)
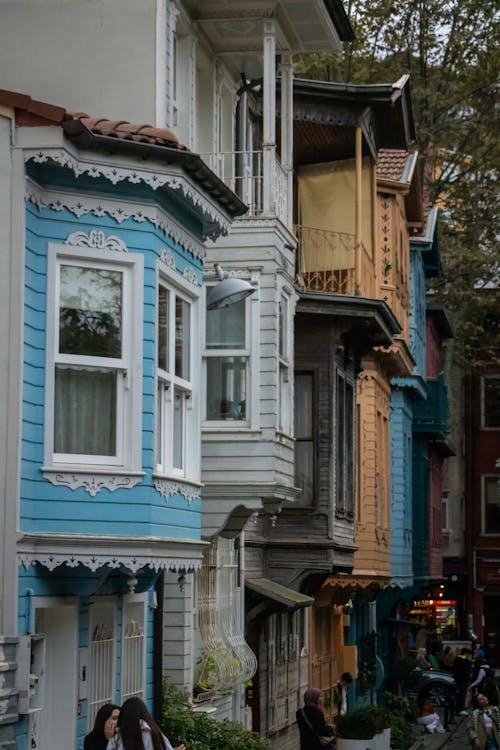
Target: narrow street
point(456, 739)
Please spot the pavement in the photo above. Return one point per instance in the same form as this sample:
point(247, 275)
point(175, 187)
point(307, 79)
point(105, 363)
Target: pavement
point(455, 739)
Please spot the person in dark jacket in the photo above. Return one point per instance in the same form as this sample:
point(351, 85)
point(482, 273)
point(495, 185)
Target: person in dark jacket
point(312, 724)
point(461, 674)
point(104, 728)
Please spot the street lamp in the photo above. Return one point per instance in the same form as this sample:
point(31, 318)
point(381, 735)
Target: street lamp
point(228, 291)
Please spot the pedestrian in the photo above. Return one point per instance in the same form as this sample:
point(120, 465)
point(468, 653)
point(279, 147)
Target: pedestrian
point(137, 730)
point(461, 675)
point(341, 693)
point(315, 733)
point(483, 681)
point(483, 727)
point(104, 728)
point(429, 718)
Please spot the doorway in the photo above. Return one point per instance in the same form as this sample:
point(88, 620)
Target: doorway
point(55, 725)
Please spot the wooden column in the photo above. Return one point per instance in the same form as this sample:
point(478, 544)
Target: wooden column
point(269, 116)
point(358, 210)
point(287, 130)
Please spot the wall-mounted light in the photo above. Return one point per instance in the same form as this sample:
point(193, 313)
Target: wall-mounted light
point(228, 291)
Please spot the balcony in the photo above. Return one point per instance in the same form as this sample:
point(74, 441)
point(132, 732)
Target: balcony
point(333, 262)
point(431, 416)
point(243, 172)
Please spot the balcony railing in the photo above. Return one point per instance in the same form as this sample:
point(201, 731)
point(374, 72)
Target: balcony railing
point(243, 172)
point(333, 262)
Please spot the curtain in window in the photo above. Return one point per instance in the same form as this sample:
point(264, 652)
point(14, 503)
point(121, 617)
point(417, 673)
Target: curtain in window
point(85, 411)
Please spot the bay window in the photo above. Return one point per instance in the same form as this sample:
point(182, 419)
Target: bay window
point(305, 461)
point(344, 448)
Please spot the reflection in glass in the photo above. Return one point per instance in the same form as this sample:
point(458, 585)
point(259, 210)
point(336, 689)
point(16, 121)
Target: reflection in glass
point(90, 311)
point(226, 330)
point(163, 328)
point(304, 435)
point(85, 411)
point(182, 324)
point(178, 458)
point(226, 388)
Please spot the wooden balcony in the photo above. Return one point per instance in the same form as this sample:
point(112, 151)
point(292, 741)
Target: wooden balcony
point(243, 172)
point(333, 262)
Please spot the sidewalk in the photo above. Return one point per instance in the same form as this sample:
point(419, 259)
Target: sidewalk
point(456, 739)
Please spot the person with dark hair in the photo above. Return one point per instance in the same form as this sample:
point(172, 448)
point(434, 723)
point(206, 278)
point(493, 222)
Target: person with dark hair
point(315, 733)
point(483, 727)
point(483, 681)
point(341, 693)
point(103, 729)
point(137, 730)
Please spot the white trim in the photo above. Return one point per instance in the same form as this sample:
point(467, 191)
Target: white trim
point(155, 177)
point(168, 487)
point(119, 210)
point(129, 452)
point(92, 482)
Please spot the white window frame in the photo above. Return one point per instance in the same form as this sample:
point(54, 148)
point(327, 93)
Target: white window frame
point(484, 479)
point(484, 426)
point(169, 383)
point(445, 512)
point(129, 387)
point(252, 340)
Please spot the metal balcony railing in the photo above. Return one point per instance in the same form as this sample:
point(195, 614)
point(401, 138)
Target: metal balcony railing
point(333, 262)
point(431, 416)
point(243, 172)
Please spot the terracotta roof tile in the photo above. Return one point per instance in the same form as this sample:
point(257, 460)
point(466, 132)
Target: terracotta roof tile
point(391, 164)
point(139, 133)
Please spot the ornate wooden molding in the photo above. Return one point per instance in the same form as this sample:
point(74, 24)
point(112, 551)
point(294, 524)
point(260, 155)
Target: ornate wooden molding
point(92, 482)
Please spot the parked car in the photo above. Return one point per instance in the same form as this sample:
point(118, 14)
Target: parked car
point(439, 686)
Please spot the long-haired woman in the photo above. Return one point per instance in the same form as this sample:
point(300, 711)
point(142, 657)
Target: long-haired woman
point(137, 730)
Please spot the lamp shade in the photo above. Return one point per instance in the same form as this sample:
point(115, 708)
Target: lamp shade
point(227, 292)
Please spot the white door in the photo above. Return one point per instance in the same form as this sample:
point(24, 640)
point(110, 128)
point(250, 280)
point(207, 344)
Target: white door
point(57, 719)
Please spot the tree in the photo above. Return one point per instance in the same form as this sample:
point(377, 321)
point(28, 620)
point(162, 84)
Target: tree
point(450, 48)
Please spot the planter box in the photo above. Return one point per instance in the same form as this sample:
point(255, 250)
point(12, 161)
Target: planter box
point(343, 744)
point(381, 741)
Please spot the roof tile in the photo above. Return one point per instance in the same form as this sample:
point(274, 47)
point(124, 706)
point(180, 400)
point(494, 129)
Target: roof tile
point(391, 164)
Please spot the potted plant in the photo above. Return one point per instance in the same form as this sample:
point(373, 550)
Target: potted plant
point(356, 729)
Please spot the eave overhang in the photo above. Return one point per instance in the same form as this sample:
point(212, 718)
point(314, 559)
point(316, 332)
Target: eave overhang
point(277, 594)
point(383, 111)
point(440, 316)
point(192, 164)
point(397, 358)
point(416, 386)
point(370, 321)
point(97, 551)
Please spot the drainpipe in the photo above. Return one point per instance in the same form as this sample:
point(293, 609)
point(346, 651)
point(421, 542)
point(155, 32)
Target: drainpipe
point(158, 647)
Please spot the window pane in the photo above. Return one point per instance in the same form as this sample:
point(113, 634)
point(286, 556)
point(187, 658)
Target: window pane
point(491, 402)
point(492, 499)
point(340, 445)
point(303, 405)
point(304, 469)
point(282, 328)
point(85, 411)
point(182, 335)
point(163, 328)
point(226, 330)
point(226, 387)
point(178, 458)
point(349, 448)
point(90, 311)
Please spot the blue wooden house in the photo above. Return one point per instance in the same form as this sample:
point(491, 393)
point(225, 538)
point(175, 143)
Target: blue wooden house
point(102, 249)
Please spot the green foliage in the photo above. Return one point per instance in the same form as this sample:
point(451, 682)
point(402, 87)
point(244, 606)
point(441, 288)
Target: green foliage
point(367, 674)
point(356, 725)
point(401, 715)
point(408, 675)
point(451, 49)
point(200, 732)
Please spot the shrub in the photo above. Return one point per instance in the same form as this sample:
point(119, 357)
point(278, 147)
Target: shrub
point(401, 714)
point(356, 725)
point(199, 731)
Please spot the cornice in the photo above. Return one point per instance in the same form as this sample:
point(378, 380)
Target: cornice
point(94, 552)
point(119, 210)
point(153, 178)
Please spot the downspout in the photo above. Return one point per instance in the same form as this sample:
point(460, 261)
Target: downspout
point(158, 646)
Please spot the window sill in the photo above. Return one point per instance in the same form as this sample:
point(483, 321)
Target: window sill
point(93, 480)
point(224, 429)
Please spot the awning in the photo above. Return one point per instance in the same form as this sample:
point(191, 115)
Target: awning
point(288, 598)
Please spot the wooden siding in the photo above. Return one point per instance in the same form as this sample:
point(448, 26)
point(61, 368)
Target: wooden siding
point(47, 508)
point(401, 458)
point(372, 508)
point(393, 258)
